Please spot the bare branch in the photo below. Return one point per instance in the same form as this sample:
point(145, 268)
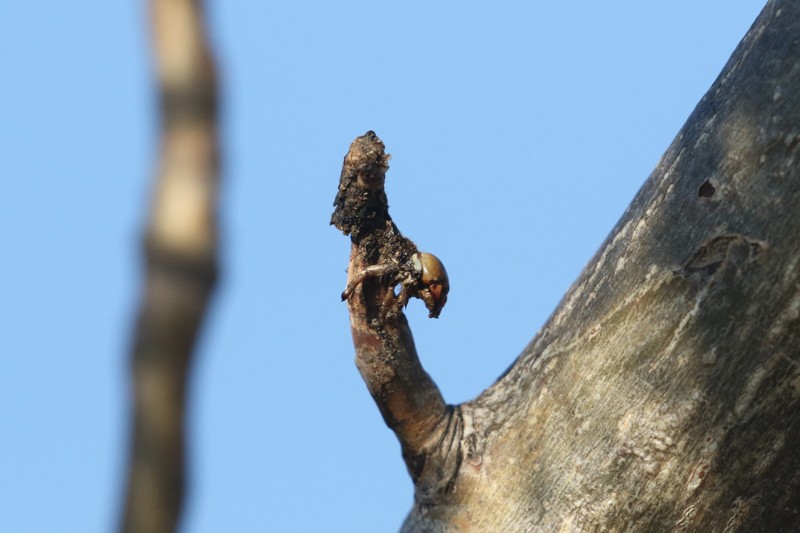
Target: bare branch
point(181, 265)
point(382, 260)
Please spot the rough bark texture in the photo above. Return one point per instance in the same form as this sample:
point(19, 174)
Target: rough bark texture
point(664, 392)
point(181, 266)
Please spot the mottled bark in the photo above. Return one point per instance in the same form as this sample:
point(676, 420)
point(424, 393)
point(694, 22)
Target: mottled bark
point(664, 392)
point(180, 252)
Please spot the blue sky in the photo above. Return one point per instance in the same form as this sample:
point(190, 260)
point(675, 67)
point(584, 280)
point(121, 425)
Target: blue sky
point(519, 133)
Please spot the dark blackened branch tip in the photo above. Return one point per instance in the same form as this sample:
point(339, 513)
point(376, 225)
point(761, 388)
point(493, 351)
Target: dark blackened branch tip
point(360, 205)
point(368, 161)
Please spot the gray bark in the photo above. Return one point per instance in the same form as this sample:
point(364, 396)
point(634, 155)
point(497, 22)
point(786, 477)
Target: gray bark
point(663, 394)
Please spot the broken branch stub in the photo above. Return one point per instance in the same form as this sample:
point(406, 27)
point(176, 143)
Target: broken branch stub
point(385, 270)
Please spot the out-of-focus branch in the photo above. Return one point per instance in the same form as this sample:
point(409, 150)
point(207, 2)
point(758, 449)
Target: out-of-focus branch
point(409, 400)
point(181, 265)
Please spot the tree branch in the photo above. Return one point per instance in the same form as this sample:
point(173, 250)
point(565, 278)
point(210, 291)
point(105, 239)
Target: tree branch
point(180, 253)
point(407, 397)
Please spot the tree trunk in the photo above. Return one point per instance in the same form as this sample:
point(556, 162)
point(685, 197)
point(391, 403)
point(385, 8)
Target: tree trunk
point(662, 395)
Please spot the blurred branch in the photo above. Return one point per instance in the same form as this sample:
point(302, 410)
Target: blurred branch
point(180, 251)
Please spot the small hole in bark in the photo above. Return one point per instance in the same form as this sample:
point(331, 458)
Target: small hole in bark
point(706, 190)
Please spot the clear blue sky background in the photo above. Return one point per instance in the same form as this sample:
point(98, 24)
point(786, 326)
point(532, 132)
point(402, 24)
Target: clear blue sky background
point(519, 132)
